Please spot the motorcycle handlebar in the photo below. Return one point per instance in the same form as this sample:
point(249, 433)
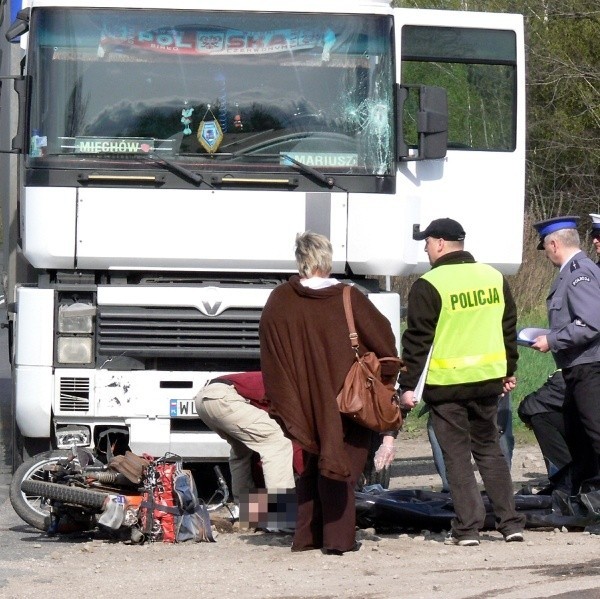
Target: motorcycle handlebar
point(222, 484)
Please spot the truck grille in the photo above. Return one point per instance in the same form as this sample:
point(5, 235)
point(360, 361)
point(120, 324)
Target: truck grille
point(177, 332)
point(74, 394)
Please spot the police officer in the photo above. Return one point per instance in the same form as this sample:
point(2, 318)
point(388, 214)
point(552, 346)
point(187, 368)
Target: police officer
point(595, 234)
point(574, 340)
point(462, 315)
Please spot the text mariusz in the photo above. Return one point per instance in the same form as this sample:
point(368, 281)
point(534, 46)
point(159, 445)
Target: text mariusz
point(472, 299)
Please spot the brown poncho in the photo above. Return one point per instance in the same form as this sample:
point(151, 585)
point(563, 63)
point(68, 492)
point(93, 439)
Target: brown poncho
point(305, 356)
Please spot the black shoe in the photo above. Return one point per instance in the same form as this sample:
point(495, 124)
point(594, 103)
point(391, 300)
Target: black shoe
point(356, 547)
point(306, 548)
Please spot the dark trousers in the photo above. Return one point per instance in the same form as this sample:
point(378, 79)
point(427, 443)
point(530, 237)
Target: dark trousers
point(549, 430)
point(326, 507)
point(466, 429)
point(581, 413)
point(505, 432)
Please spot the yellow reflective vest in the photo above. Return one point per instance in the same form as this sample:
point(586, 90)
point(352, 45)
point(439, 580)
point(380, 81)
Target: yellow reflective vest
point(468, 345)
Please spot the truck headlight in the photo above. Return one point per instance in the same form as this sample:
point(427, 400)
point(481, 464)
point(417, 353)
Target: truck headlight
point(71, 435)
point(76, 318)
point(74, 350)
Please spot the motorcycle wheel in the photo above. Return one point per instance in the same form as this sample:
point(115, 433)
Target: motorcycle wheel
point(33, 507)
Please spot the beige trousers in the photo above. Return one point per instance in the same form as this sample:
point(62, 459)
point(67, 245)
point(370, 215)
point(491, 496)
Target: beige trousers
point(247, 429)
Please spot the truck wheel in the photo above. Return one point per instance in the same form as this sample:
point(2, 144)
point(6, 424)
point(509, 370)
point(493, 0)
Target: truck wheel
point(33, 508)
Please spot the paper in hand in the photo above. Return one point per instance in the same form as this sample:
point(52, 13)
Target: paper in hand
point(418, 393)
point(528, 335)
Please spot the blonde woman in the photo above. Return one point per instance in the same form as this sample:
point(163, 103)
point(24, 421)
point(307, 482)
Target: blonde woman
point(305, 356)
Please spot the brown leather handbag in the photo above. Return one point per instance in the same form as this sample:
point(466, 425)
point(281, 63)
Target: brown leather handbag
point(364, 397)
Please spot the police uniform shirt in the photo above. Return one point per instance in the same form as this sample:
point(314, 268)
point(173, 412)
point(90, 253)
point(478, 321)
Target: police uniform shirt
point(574, 313)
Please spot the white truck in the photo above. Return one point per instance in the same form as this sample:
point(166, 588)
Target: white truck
point(159, 157)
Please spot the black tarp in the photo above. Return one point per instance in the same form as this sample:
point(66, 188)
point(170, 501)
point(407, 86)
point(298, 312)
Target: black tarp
point(416, 509)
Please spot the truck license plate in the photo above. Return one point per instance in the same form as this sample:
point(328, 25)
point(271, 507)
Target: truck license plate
point(182, 408)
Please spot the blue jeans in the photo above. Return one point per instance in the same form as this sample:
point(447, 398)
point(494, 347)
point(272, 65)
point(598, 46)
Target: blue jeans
point(506, 438)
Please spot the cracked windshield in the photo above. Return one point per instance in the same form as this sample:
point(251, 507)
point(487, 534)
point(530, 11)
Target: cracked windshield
point(251, 89)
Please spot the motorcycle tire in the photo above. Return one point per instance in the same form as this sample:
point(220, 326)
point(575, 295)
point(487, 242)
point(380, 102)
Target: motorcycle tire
point(65, 493)
point(33, 508)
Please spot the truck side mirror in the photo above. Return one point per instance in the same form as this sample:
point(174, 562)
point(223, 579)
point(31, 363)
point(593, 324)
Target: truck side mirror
point(432, 121)
point(429, 122)
point(21, 86)
point(19, 26)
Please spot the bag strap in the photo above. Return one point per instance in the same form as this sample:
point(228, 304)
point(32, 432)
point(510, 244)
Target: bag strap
point(350, 318)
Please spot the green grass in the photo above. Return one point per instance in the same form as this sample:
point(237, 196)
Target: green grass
point(533, 369)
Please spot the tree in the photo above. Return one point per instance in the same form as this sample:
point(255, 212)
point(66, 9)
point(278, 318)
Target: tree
point(563, 107)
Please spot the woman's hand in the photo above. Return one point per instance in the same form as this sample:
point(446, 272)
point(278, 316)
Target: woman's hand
point(407, 400)
point(384, 456)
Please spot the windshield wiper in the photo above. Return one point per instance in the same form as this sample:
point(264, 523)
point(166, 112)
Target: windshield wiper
point(150, 156)
point(180, 170)
point(308, 170)
point(327, 180)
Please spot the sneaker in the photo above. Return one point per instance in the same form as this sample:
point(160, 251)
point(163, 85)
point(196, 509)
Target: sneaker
point(515, 537)
point(450, 540)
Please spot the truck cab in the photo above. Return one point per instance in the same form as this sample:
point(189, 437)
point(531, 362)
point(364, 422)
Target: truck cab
point(163, 158)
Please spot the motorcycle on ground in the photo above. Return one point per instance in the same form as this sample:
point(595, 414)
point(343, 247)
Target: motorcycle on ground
point(130, 497)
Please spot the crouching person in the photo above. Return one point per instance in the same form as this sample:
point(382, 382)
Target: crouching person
point(234, 406)
point(542, 411)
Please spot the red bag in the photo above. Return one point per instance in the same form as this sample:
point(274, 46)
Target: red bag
point(364, 397)
point(170, 510)
point(158, 509)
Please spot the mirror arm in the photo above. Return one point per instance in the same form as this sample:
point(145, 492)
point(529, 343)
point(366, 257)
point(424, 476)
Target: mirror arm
point(401, 145)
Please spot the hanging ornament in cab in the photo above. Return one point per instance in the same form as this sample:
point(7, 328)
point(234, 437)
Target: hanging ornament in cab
point(186, 119)
point(210, 134)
